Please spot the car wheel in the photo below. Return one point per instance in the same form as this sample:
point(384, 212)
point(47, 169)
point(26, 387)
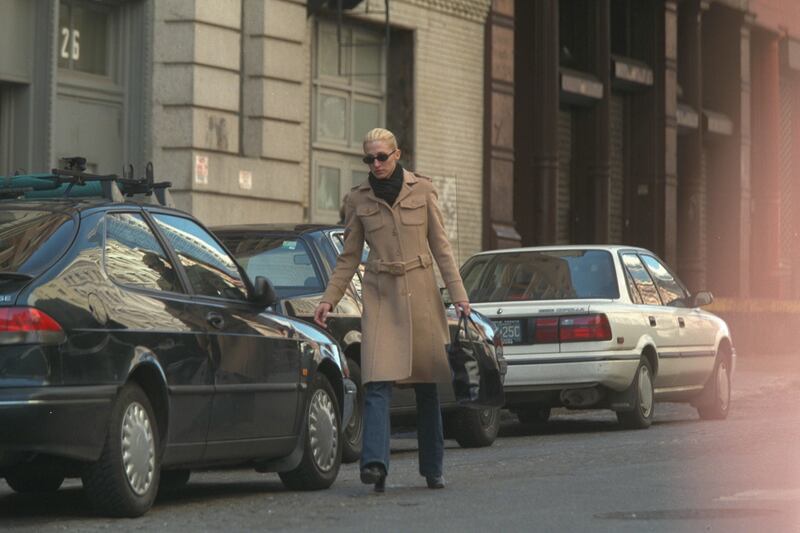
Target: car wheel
point(641, 416)
point(173, 480)
point(717, 392)
point(353, 434)
point(124, 481)
point(34, 478)
point(322, 455)
point(537, 415)
point(476, 428)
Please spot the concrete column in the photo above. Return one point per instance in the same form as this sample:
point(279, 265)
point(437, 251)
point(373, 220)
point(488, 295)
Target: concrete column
point(499, 230)
point(536, 171)
point(766, 204)
point(726, 88)
point(653, 198)
point(691, 251)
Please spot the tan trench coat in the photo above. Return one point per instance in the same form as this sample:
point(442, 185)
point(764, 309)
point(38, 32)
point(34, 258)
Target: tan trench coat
point(404, 329)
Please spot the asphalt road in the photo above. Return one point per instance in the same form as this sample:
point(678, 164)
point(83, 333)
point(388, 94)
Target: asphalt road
point(581, 474)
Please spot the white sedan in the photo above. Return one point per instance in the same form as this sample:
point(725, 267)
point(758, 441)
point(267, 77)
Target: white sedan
point(601, 327)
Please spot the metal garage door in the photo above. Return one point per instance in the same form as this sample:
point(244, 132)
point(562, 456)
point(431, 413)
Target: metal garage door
point(565, 142)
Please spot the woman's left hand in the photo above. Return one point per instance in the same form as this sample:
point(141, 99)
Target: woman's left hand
point(462, 309)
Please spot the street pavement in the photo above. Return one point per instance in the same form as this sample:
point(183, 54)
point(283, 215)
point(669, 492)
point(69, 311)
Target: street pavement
point(581, 473)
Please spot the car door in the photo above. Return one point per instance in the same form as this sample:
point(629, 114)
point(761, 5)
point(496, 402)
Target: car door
point(657, 320)
point(147, 307)
point(696, 345)
point(255, 359)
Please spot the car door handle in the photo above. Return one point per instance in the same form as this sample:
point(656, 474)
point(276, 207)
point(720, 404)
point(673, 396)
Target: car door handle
point(215, 319)
point(652, 320)
point(681, 322)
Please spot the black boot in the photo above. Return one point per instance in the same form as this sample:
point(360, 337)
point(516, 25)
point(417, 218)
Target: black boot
point(435, 482)
point(374, 473)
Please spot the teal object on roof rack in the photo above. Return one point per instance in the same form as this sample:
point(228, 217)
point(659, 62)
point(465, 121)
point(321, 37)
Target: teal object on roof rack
point(42, 186)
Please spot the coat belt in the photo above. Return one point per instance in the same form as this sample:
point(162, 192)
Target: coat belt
point(399, 268)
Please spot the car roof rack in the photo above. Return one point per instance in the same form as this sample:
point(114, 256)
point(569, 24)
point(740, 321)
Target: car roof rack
point(73, 181)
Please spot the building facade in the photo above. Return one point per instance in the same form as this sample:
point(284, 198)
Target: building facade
point(670, 124)
point(254, 109)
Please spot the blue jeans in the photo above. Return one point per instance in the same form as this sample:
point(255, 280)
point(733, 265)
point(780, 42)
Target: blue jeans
point(378, 429)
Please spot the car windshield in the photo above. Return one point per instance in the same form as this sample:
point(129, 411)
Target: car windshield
point(31, 240)
point(550, 275)
point(284, 261)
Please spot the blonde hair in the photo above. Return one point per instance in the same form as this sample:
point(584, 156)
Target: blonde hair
point(380, 134)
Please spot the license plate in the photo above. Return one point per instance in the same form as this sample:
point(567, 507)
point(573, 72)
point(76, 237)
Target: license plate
point(510, 331)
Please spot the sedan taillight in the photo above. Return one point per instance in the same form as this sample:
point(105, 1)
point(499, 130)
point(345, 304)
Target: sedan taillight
point(28, 325)
point(584, 328)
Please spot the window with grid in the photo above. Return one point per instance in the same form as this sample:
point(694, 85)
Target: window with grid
point(348, 99)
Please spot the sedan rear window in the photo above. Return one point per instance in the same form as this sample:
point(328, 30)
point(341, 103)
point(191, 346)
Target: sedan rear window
point(31, 240)
point(550, 275)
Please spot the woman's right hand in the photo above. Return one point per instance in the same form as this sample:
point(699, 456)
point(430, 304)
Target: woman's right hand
point(321, 314)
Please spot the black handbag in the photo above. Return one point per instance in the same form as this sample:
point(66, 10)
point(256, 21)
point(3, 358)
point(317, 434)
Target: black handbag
point(477, 380)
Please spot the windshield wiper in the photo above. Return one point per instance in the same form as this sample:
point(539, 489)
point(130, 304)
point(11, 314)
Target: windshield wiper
point(16, 275)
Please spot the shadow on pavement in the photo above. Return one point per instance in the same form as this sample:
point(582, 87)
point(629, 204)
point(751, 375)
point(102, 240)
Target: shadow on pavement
point(70, 503)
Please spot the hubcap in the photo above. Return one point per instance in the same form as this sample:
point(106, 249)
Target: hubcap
point(723, 386)
point(356, 425)
point(138, 448)
point(645, 391)
point(323, 431)
point(487, 417)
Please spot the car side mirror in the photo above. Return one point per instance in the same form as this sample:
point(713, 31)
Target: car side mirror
point(702, 298)
point(264, 292)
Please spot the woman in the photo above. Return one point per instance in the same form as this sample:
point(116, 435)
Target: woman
point(404, 328)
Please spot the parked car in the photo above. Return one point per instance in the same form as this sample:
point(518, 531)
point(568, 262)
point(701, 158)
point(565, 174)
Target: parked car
point(133, 349)
point(601, 327)
point(298, 260)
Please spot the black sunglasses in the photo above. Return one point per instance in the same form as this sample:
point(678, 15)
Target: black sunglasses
point(369, 158)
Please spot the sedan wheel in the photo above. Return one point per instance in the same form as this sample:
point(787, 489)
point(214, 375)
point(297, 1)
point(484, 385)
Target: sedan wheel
point(641, 416)
point(138, 448)
point(124, 481)
point(322, 454)
point(353, 433)
point(323, 430)
point(717, 401)
point(476, 428)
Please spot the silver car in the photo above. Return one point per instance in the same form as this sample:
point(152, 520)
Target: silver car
point(601, 327)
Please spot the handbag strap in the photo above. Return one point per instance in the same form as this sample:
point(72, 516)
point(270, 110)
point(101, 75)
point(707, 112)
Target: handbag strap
point(462, 326)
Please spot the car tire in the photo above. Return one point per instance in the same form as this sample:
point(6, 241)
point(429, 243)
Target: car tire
point(322, 454)
point(172, 480)
point(34, 478)
point(536, 415)
point(353, 434)
point(124, 481)
point(641, 416)
point(476, 428)
point(717, 393)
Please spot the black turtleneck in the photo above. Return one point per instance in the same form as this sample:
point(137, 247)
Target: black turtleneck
point(388, 189)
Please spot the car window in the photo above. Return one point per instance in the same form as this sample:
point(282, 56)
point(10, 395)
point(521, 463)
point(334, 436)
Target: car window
point(545, 275)
point(285, 261)
point(211, 271)
point(134, 257)
point(643, 281)
point(338, 242)
point(31, 240)
point(670, 289)
point(633, 292)
point(472, 271)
